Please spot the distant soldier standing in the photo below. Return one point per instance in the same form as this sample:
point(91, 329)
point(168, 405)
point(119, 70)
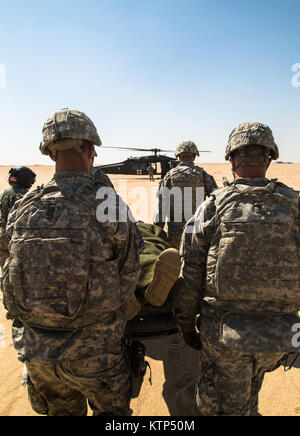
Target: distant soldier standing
point(21, 180)
point(188, 179)
point(150, 170)
point(241, 273)
point(69, 279)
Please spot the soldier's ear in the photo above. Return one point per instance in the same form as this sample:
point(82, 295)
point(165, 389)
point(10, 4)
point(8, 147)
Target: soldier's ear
point(52, 157)
point(270, 160)
point(91, 152)
point(231, 160)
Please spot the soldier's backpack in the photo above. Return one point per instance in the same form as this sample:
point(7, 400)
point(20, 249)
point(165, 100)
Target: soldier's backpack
point(254, 255)
point(190, 181)
point(52, 279)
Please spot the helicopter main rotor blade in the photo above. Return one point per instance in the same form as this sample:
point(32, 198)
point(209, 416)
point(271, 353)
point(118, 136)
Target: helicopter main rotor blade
point(126, 148)
point(174, 151)
point(153, 150)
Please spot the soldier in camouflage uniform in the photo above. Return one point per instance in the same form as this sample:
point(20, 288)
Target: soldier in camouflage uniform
point(21, 180)
point(240, 272)
point(151, 171)
point(69, 280)
point(186, 178)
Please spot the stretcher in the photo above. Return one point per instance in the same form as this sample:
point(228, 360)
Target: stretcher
point(152, 323)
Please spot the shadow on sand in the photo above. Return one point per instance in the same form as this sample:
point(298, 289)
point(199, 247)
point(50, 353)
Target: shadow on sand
point(181, 369)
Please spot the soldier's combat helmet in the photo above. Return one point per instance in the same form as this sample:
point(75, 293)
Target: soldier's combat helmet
point(68, 129)
point(22, 177)
point(187, 147)
point(252, 134)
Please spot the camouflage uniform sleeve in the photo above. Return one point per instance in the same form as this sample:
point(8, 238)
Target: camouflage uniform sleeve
point(163, 199)
point(3, 238)
point(129, 256)
point(210, 184)
point(11, 219)
point(196, 241)
point(299, 217)
point(13, 212)
point(5, 234)
point(4, 210)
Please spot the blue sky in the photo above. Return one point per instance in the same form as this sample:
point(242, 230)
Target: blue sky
point(149, 73)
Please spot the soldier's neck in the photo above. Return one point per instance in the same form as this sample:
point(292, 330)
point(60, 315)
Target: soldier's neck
point(187, 162)
point(67, 166)
point(250, 173)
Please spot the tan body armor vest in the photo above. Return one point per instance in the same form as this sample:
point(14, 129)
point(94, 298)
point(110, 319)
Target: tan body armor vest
point(254, 255)
point(59, 276)
point(191, 178)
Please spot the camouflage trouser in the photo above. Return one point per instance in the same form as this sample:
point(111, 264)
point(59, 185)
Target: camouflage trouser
point(103, 381)
point(3, 248)
point(174, 238)
point(230, 382)
point(38, 402)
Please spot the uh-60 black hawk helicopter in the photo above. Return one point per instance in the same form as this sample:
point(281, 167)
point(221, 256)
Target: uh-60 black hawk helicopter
point(162, 164)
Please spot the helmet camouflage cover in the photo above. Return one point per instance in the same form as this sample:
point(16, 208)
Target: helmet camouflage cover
point(69, 125)
point(252, 134)
point(187, 147)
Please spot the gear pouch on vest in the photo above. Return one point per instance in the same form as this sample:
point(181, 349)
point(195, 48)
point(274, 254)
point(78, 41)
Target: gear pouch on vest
point(258, 251)
point(190, 181)
point(49, 264)
point(258, 334)
point(104, 295)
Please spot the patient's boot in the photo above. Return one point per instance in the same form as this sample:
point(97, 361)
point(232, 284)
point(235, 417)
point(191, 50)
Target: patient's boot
point(166, 273)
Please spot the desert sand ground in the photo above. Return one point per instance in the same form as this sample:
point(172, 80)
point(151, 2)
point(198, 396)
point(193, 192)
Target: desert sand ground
point(173, 364)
